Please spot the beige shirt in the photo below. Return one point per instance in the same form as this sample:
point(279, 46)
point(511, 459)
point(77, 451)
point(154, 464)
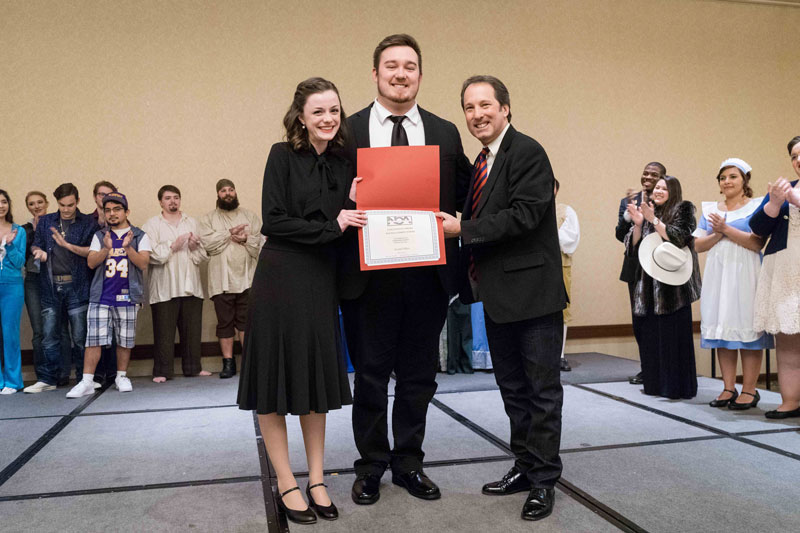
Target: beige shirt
point(173, 274)
point(231, 265)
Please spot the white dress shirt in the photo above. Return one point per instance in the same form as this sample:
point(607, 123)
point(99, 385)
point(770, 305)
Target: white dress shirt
point(493, 147)
point(569, 234)
point(380, 127)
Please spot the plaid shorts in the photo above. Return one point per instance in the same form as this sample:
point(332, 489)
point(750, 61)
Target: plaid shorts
point(103, 321)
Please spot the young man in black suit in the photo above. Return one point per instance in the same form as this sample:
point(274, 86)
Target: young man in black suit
point(650, 175)
point(509, 236)
point(393, 318)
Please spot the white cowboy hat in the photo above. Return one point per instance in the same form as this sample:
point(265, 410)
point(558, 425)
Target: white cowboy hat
point(665, 262)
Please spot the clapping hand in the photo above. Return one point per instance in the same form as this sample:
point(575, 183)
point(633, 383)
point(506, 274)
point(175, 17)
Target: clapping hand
point(648, 211)
point(126, 241)
point(107, 240)
point(779, 191)
point(718, 223)
point(58, 238)
point(635, 214)
point(194, 242)
point(239, 233)
point(180, 242)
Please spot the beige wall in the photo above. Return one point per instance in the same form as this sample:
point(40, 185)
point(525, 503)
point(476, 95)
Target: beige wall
point(145, 93)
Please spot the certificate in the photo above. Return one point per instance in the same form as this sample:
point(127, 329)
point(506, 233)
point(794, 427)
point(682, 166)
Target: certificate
point(394, 237)
point(400, 193)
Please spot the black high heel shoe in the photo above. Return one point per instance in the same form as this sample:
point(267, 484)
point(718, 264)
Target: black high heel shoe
point(724, 403)
point(326, 513)
point(306, 516)
point(734, 406)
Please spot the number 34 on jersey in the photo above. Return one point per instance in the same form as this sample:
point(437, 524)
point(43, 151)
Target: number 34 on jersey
point(117, 265)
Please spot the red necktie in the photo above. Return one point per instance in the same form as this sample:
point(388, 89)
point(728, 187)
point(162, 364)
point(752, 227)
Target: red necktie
point(481, 175)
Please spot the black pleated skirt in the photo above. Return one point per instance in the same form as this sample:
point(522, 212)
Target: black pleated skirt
point(666, 350)
point(293, 361)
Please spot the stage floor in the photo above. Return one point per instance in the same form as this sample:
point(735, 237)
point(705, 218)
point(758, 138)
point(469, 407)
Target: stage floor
point(180, 456)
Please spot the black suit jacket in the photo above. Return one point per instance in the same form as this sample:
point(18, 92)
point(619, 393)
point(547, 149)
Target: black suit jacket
point(513, 235)
point(629, 264)
point(454, 175)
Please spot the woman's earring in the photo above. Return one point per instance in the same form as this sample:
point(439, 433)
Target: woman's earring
point(302, 125)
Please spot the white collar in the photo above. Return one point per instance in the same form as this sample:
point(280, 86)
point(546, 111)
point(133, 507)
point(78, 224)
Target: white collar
point(494, 146)
point(383, 114)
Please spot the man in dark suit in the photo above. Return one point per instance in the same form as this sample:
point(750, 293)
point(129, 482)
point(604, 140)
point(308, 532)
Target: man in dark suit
point(509, 236)
point(393, 317)
point(650, 175)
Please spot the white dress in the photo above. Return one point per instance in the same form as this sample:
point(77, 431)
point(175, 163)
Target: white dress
point(778, 295)
point(730, 278)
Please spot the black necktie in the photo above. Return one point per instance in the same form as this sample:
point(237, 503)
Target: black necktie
point(399, 137)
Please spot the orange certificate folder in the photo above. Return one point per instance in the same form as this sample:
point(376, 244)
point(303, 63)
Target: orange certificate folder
point(400, 182)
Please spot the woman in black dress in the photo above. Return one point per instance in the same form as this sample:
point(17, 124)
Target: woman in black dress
point(292, 361)
point(662, 309)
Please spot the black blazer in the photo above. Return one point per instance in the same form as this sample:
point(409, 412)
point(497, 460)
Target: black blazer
point(454, 175)
point(629, 264)
point(777, 229)
point(513, 236)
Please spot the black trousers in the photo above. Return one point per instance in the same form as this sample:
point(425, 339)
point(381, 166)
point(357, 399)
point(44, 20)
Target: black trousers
point(185, 313)
point(394, 326)
point(526, 357)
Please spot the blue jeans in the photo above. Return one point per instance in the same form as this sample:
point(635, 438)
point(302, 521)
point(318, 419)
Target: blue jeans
point(64, 300)
point(33, 303)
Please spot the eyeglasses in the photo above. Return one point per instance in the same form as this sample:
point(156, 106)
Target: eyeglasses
point(118, 209)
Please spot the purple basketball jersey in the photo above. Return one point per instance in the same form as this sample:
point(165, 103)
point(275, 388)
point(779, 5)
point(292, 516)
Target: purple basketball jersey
point(116, 288)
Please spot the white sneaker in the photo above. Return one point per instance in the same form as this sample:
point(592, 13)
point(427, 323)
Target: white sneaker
point(8, 390)
point(39, 386)
point(123, 384)
point(81, 389)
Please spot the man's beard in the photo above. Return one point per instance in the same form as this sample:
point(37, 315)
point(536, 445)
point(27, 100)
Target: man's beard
point(228, 205)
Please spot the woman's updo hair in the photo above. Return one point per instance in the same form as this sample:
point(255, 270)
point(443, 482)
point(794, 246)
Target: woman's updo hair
point(296, 134)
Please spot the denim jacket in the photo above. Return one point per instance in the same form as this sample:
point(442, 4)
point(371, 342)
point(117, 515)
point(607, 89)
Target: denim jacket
point(79, 233)
point(135, 276)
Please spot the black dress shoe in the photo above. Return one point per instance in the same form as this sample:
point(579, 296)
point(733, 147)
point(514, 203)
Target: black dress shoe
point(565, 365)
point(511, 483)
point(326, 513)
point(306, 516)
point(538, 504)
point(228, 368)
point(62, 382)
point(417, 484)
point(724, 403)
point(636, 380)
point(366, 489)
point(780, 415)
point(736, 406)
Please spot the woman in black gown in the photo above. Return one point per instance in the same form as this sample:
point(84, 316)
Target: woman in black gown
point(292, 361)
point(662, 309)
